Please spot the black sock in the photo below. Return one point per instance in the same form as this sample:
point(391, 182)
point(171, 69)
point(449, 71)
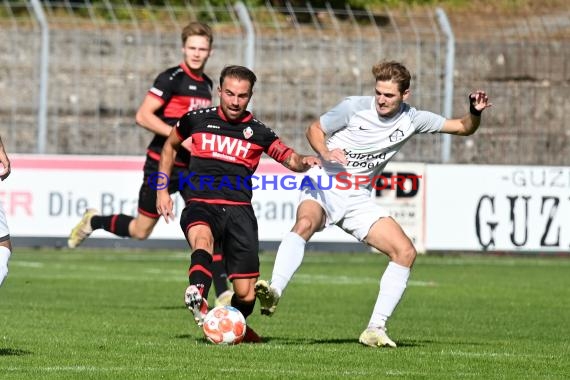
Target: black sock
point(246, 308)
point(117, 224)
point(200, 272)
point(219, 275)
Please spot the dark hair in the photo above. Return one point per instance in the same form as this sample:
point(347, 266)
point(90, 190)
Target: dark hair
point(239, 72)
point(392, 71)
point(196, 28)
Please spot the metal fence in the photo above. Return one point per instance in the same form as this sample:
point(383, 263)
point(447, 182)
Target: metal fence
point(103, 57)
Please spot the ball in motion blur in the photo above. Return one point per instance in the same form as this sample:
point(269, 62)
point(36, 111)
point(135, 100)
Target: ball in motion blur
point(224, 325)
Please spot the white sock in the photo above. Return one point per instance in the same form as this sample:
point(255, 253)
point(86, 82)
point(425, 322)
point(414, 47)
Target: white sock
point(4, 257)
point(392, 286)
point(289, 258)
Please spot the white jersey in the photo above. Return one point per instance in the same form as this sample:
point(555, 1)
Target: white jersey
point(368, 140)
point(4, 231)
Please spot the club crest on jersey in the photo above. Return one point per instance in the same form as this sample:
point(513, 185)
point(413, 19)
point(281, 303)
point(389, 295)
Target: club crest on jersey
point(397, 135)
point(248, 132)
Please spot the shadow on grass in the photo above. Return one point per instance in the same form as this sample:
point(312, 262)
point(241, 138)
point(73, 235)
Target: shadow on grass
point(178, 307)
point(423, 343)
point(280, 340)
point(13, 352)
point(308, 341)
point(185, 336)
point(401, 343)
point(296, 341)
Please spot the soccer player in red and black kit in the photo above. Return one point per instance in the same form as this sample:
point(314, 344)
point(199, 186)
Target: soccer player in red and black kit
point(226, 143)
point(175, 91)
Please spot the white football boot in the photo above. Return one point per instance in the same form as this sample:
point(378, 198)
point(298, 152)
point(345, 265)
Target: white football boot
point(83, 229)
point(376, 337)
point(268, 297)
point(197, 305)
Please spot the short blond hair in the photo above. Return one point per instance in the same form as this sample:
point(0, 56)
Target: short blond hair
point(196, 28)
point(392, 71)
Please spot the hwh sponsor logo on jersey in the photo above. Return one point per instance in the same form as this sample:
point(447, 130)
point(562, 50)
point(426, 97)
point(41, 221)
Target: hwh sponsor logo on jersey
point(197, 103)
point(227, 146)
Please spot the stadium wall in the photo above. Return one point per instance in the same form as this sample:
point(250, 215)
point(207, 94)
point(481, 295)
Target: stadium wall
point(103, 56)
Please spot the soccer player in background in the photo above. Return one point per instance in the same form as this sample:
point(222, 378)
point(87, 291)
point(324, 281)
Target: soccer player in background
point(5, 243)
point(358, 137)
point(227, 143)
point(175, 91)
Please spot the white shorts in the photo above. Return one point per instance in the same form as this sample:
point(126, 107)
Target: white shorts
point(352, 210)
point(4, 231)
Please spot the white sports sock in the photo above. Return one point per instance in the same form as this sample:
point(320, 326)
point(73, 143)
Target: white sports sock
point(392, 286)
point(4, 257)
point(289, 258)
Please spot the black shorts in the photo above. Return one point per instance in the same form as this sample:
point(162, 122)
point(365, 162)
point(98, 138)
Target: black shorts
point(234, 228)
point(147, 194)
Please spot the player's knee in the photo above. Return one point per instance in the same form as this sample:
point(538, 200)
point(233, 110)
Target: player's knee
point(405, 256)
point(305, 226)
point(244, 295)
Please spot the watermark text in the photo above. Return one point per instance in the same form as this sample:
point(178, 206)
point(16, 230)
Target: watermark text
point(340, 181)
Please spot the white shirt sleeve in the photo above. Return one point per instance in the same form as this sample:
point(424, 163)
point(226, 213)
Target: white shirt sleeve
point(427, 122)
point(337, 117)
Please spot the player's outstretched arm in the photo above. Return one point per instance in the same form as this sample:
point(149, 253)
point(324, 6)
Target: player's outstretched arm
point(467, 125)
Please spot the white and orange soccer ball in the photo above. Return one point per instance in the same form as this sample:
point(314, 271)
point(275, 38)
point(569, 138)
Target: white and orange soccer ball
point(224, 325)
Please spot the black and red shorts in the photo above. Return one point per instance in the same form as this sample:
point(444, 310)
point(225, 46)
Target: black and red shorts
point(234, 227)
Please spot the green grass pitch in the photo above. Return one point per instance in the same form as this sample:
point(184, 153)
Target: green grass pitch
point(105, 314)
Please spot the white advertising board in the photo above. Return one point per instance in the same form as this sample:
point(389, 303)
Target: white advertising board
point(45, 196)
point(402, 194)
point(501, 208)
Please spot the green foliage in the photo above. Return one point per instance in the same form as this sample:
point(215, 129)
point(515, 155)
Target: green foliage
point(119, 315)
point(335, 4)
point(216, 10)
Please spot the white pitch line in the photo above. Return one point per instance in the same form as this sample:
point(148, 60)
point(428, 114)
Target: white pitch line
point(497, 354)
point(27, 264)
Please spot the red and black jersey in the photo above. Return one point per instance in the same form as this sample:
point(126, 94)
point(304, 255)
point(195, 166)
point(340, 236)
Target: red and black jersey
point(180, 91)
point(225, 154)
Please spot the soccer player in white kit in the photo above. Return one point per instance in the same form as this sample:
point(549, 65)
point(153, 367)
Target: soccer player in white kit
point(5, 244)
point(356, 139)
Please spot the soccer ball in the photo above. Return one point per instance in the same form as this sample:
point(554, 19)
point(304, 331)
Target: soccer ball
point(224, 325)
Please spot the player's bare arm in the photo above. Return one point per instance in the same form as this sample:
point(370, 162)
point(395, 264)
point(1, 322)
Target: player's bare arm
point(467, 125)
point(147, 118)
point(5, 170)
point(164, 204)
point(317, 139)
point(300, 163)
